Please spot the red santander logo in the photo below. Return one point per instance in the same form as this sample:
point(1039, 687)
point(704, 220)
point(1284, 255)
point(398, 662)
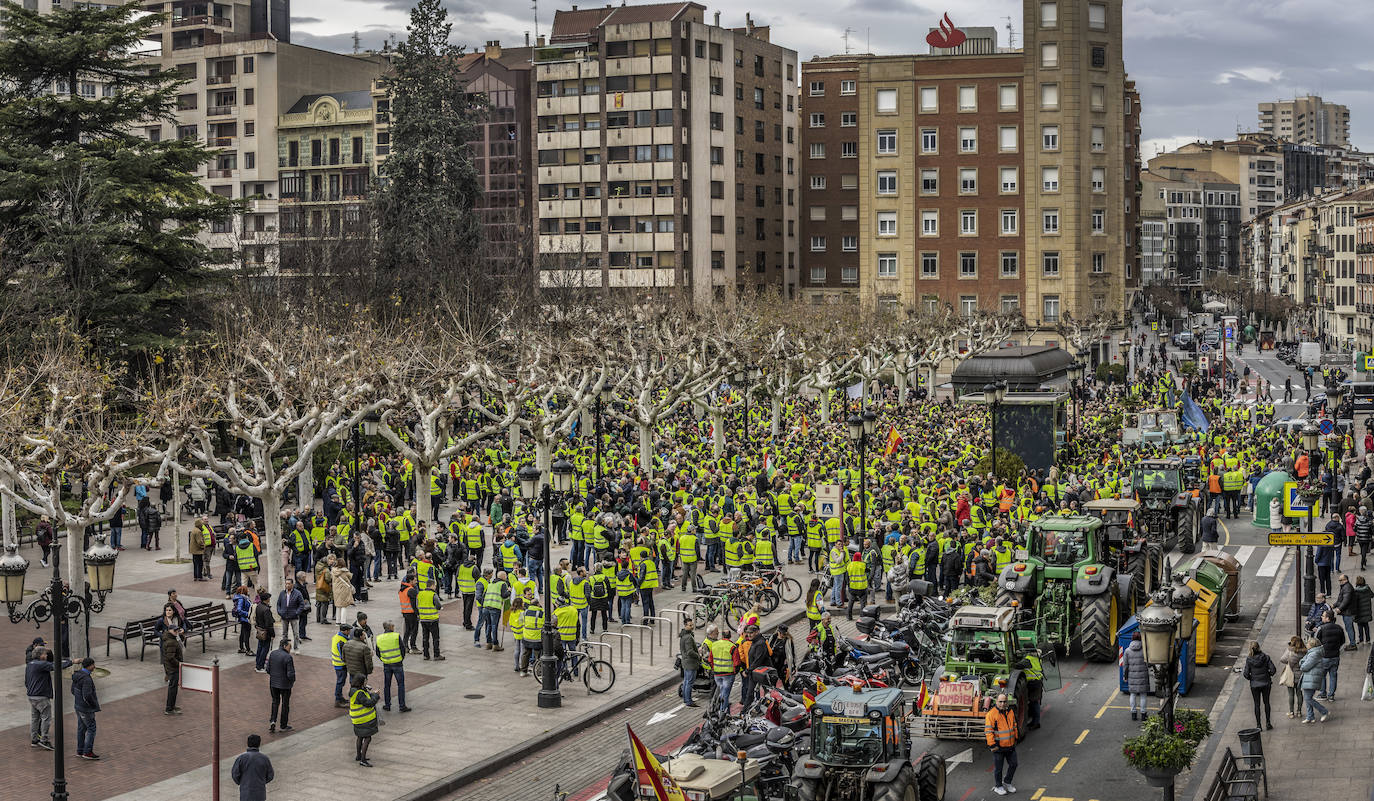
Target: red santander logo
point(947, 35)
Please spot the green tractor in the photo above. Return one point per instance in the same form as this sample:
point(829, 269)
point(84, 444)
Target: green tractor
point(861, 751)
point(1170, 512)
point(1065, 581)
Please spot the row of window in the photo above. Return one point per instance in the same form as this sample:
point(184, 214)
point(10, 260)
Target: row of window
point(616, 225)
point(614, 189)
point(885, 100)
point(1008, 140)
point(968, 223)
point(886, 182)
point(1010, 265)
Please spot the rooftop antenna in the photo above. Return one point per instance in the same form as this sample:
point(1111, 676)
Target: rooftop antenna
point(534, 4)
point(847, 31)
point(355, 43)
point(1011, 33)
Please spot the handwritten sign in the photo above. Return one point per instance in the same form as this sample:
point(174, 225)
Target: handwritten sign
point(959, 694)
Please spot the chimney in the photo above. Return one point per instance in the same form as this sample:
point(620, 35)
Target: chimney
point(539, 40)
point(493, 51)
point(717, 19)
point(527, 38)
point(574, 6)
point(748, 24)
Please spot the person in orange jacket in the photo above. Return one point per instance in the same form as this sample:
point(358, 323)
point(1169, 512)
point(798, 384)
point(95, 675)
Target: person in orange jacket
point(999, 727)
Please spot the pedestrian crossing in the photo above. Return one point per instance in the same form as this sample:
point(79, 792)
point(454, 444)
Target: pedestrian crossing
point(1268, 568)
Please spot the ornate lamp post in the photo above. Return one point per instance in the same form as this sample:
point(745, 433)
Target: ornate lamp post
point(1311, 439)
point(59, 605)
point(861, 428)
point(1075, 373)
point(1158, 633)
point(544, 497)
point(992, 396)
point(745, 377)
point(366, 428)
point(602, 397)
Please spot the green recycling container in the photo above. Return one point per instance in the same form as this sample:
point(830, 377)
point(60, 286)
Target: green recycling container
point(1270, 486)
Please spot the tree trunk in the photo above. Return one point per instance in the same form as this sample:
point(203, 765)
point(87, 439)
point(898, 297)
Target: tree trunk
point(270, 559)
point(513, 438)
point(717, 432)
point(423, 511)
point(775, 415)
point(176, 511)
point(7, 515)
point(646, 450)
point(305, 482)
point(825, 404)
point(901, 386)
point(543, 458)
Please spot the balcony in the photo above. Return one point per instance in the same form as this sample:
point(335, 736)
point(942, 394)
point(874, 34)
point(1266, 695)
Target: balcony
point(221, 111)
point(1365, 247)
point(218, 80)
point(216, 22)
point(1330, 229)
point(220, 141)
point(219, 173)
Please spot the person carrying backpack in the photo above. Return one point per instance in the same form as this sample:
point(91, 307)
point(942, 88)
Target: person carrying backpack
point(598, 602)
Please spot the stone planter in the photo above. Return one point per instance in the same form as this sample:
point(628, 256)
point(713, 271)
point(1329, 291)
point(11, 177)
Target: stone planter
point(1156, 777)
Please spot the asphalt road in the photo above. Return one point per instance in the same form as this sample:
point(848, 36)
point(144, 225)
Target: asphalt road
point(1073, 757)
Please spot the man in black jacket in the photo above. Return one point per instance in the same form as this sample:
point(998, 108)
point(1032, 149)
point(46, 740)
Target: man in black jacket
point(85, 704)
point(38, 686)
point(1331, 637)
point(281, 677)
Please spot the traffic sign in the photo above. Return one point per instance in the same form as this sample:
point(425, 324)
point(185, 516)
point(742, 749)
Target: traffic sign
point(1301, 538)
point(1204, 348)
point(1203, 364)
point(1369, 364)
point(1295, 505)
point(1327, 425)
point(827, 500)
point(1230, 332)
point(1154, 326)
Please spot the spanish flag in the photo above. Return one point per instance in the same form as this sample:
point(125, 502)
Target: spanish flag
point(652, 774)
point(893, 440)
point(805, 426)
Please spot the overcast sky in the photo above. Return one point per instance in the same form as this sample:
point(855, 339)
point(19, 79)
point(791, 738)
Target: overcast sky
point(1200, 65)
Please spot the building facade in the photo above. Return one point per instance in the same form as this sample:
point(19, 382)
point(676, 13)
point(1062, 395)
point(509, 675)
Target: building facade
point(1306, 120)
point(980, 177)
point(1254, 162)
point(1202, 225)
point(666, 153)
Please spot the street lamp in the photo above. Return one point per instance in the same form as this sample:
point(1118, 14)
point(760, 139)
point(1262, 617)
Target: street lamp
point(992, 396)
point(367, 427)
point(545, 497)
point(745, 377)
point(1159, 639)
point(56, 603)
point(861, 428)
point(1335, 396)
point(602, 397)
point(1075, 373)
point(1311, 437)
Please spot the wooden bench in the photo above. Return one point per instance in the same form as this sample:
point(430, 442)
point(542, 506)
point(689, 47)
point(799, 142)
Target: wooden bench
point(208, 619)
point(134, 629)
point(1239, 779)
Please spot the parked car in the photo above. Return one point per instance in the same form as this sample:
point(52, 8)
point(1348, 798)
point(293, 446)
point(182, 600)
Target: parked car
point(1183, 339)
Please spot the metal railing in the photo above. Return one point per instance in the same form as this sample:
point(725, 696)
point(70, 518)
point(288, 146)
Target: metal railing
point(216, 80)
point(666, 625)
point(641, 631)
point(219, 111)
point(624, 640)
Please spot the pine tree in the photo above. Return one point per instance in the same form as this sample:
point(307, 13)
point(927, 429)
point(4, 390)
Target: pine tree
point(427, 227)
point(96, 221)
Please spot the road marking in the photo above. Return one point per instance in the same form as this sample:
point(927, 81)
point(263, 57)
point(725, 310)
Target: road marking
point(1270, 566)
point(1060, 765)
point(1243, 555)
point(1065, 687)
point(1036, 795)
point(659, 717)
point(1115, 692)
point(964, 757)
point(1225, 531)
point(1081, 737)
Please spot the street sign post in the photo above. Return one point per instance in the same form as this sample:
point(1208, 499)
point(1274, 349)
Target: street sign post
point(1154, 326)
point(1326, 426)
point(1308, 538)
point(1294, 505)
point(827, 500)
point(205, 679)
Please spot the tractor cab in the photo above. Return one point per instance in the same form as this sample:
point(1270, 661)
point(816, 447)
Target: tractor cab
point(1118, 519)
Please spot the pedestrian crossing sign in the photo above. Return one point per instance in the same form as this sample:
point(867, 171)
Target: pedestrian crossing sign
point(1154, 326)
point(1294, 505)
point(1369, 364)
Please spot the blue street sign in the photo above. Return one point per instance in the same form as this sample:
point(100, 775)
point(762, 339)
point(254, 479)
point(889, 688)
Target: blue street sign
point(1294, 505)
point(1230, 332)
point(1205, 348)
point(1327, 425)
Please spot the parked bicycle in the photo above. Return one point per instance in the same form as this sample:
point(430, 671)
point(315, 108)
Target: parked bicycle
point(597, 675)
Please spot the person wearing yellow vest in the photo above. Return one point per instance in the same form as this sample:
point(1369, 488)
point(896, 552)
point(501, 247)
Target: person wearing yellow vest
point(392, 653)
point(362, 712)
point(427, 606)
point(407, 595)
point(815, 603)
point(857, 579)
point(648, 582)
point(531, 634)
point(467, 574)
point(336, 645)
point(1231, 483)
point(720, 656)
point(493, 597)
point(689, 555)
point(837, 559)
point(567, 619)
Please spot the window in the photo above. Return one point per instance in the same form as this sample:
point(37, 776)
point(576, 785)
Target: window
point(1007, 97)
point(818, 88)
point(886, 101)
point(1098, 58)
point(1008, 179)
point(968, 265)
point(930, 182)
point(887, 142)
point(1099, 263)
point(849, 275)
point(817, 120)
point(1011, 304)
point(1049, 55)
point(1006, 139)
point(849, 119)
point(1099, 221)
point(1049, 137)
point(928, 140)
point(968, 140)
point(817, 274)
point(1098, 138)
point(1099, 179)
point(849, 150)
point(1049, 15)
point(929, 99)
point(1097, 97)
point(968, 98)
point(930, 223)
point(1097, 16)
point(968, 180)
point(849, 182)
point(1050, 264)
point(1049, 95)
point(1049, 179)
point(247, 64)
point(818, 213)
point(887, 265)
point(1050, 218)
point(848, 87)
point(248, 97)
point(1050, 309)
point(817, 150)
point(887, 182)
point(250, 128)
point(817, 244)
point(1011, 263)
point(849, 244)
point(758, 98)
point(968, 222)
point(930, 265)
point(818, 182)
point(887, 223)
point(1010, 221)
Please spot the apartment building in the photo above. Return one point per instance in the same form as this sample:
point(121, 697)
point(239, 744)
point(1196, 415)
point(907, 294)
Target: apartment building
point(666, 153)
point(1255, 162)
point(1306, 120)
point(1344, 318)
point(242, 75)
point(978, 176)
point(1202, 225)
point(1364, 280)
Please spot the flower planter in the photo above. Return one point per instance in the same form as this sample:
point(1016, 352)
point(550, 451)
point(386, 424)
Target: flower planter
point(1157, 777)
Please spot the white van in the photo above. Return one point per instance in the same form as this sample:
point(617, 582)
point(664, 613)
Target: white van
point(1309, 354)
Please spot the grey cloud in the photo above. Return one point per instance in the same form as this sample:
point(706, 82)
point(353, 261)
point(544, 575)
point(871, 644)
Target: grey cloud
point(305, 20)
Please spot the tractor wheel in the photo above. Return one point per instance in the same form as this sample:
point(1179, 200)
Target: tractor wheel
point(902, 788)
point(808, 789)
point(1129, 599)
point(930, 777)
point(1185, 528)
point(1022, 693)
point(1097, 627)
point(1134, 564)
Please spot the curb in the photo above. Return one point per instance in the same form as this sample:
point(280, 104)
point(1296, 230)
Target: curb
point(499, 761)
